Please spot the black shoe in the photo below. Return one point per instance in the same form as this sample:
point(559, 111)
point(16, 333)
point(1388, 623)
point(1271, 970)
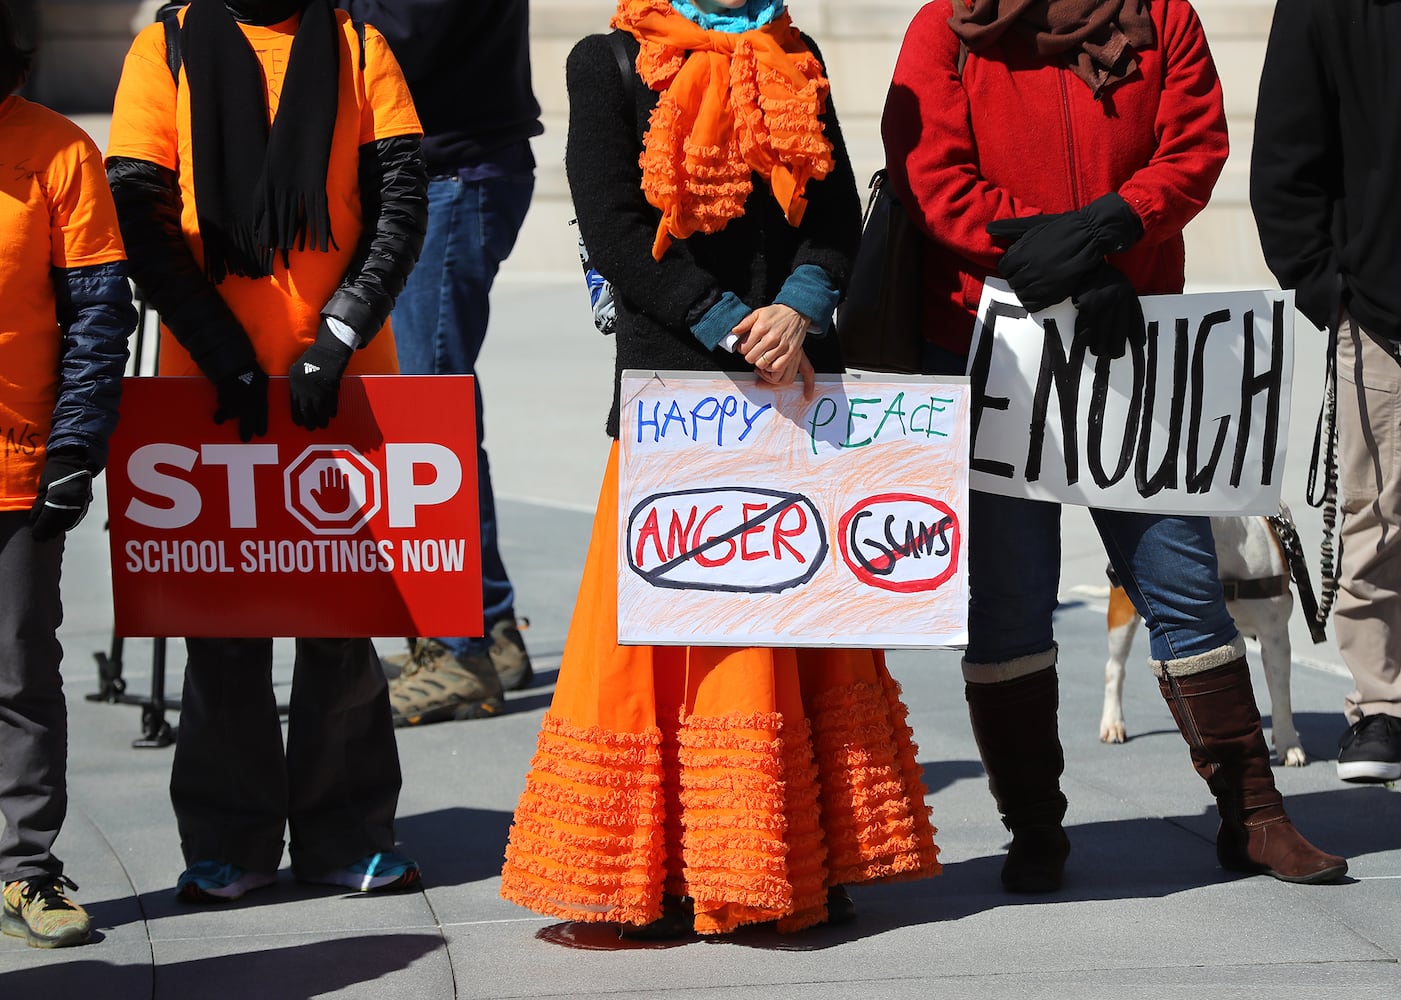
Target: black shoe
point(678, 920)
point(1370, 750)
point(840, 908)
point(1036, 859)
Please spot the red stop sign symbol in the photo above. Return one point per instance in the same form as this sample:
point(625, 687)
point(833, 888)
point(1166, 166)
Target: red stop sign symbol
point(332, 489)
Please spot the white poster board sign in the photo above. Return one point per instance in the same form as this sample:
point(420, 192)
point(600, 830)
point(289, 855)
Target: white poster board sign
point(1194, 422)
point(750, 516)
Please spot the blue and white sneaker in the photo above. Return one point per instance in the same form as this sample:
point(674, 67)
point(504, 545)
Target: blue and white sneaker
point(219, 882)
point(381, 872)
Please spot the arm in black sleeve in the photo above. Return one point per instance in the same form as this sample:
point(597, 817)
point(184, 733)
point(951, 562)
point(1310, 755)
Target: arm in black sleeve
point(394, 195)
point(616, 222)
point(1295, 166)
point(94, 311)
point(831, 228)
point(164, 269)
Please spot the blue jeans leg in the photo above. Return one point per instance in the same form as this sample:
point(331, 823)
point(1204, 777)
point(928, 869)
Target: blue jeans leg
point(1167, 565)
point(440, 323)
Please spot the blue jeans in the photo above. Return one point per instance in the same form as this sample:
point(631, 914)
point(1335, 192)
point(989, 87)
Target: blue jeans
point(440, 322)
point(1166, 564)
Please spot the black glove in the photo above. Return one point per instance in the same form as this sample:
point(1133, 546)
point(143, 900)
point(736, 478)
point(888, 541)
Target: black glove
point(243, 396)
point(65, 490)
point(1109, 314)
point(1051, 256)
point(316, 379)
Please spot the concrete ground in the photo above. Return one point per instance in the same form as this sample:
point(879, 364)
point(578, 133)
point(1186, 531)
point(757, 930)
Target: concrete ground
point(1145, 911)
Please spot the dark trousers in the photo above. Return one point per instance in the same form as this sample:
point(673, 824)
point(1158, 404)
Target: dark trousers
point(33, 716)
point(234, 788)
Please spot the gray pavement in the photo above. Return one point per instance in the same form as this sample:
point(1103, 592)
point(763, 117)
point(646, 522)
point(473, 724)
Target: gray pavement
point(1145, 911)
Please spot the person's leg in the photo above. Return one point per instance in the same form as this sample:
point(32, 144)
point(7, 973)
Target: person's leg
point(440, 323)
point(1009, 669)
point(33, 716)
point(33, 742)
point(1167, 565)
point(1367, 616)
point(1011, 685)
point(342, 760)
point(228, 779)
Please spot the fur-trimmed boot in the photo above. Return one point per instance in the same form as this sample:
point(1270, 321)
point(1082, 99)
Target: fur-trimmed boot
point(1215, 711)
point(1014, 723)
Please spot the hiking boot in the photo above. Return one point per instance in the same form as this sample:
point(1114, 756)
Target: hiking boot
point(383, 872)
point(437, 686)
point(37, 910)
point(508, 653)
point(1370, 750)
point(218, 882)
point(394, 664)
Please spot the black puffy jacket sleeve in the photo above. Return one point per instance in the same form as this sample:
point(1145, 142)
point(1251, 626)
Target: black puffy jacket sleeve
point(165, 270)
point(394, 199)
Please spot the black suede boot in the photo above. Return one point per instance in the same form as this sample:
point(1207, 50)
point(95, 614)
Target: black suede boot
point(1215, 711)
point(1014, 723)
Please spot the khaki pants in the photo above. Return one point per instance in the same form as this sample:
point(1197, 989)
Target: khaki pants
point(1367, 615)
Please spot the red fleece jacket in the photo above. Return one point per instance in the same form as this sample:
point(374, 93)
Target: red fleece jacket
point(1014, 135)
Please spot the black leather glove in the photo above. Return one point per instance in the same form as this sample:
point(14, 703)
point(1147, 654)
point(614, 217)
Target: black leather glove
point(316, 379)
point(65, 490)
point(1109, 314)
point(1051, 256)
point(243, 396)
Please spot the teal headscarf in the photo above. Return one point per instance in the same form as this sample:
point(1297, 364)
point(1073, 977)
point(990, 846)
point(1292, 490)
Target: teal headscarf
point(754, 14)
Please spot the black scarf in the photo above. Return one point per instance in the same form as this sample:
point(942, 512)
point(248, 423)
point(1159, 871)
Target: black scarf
point(259, 190)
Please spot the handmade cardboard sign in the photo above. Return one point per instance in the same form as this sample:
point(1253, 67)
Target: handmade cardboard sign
point(750, 516)
point(366, 528)
point(1194, 421)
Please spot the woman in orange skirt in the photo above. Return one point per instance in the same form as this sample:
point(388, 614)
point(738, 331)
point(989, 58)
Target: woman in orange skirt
point(703, 788)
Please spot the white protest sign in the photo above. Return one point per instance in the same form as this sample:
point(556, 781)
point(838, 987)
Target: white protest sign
point(1194, 422)
point(749, 516)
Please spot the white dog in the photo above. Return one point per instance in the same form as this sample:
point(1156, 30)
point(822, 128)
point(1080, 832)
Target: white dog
point(1255, 574)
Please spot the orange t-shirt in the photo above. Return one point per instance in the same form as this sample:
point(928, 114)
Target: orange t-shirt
point(151, 121)
point(55, 212)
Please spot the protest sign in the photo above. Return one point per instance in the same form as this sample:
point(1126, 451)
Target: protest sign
point(1195, 421)
point(365, 528)
point(750, 516)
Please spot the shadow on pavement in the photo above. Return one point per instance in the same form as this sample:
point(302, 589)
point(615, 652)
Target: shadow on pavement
point(294, 972)
point(457, 845)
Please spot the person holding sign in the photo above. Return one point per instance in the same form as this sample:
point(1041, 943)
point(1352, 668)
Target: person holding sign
point(688, 788)
point(65, 317)
point(1065, 144)
point(274, 242)
point(1328, 221)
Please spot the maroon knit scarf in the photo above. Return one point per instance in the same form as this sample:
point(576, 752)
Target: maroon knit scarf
point(1099, 39)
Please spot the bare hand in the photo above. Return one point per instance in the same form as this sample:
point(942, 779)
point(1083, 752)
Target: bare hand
point(771, 339)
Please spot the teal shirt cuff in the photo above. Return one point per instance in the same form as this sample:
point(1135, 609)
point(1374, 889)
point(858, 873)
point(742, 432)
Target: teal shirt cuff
point(811, 291)
point(720, 319)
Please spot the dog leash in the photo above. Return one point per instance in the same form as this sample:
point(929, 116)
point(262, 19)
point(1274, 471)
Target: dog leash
point(1283, 526)
point(1325, 439)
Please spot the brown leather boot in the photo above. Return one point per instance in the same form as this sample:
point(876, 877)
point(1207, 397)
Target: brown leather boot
point(1215, 711)
point(1014, 724)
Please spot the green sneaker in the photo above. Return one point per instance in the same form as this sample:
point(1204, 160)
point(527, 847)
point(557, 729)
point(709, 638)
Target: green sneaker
point(508, 653)
point(437, 686)
point(37, 910)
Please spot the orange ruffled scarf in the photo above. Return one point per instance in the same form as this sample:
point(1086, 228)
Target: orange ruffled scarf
point(732, 105)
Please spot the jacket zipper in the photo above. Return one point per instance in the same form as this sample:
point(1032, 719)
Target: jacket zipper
point(1069, 141)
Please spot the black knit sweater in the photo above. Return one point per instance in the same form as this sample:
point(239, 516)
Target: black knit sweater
point(1325, 177)
point(751, 257)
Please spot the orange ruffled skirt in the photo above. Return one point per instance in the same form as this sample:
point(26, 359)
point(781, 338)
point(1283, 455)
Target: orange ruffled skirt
point(748, 779)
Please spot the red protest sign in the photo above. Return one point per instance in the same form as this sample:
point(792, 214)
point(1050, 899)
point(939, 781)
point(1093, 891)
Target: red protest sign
point(366, 528)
